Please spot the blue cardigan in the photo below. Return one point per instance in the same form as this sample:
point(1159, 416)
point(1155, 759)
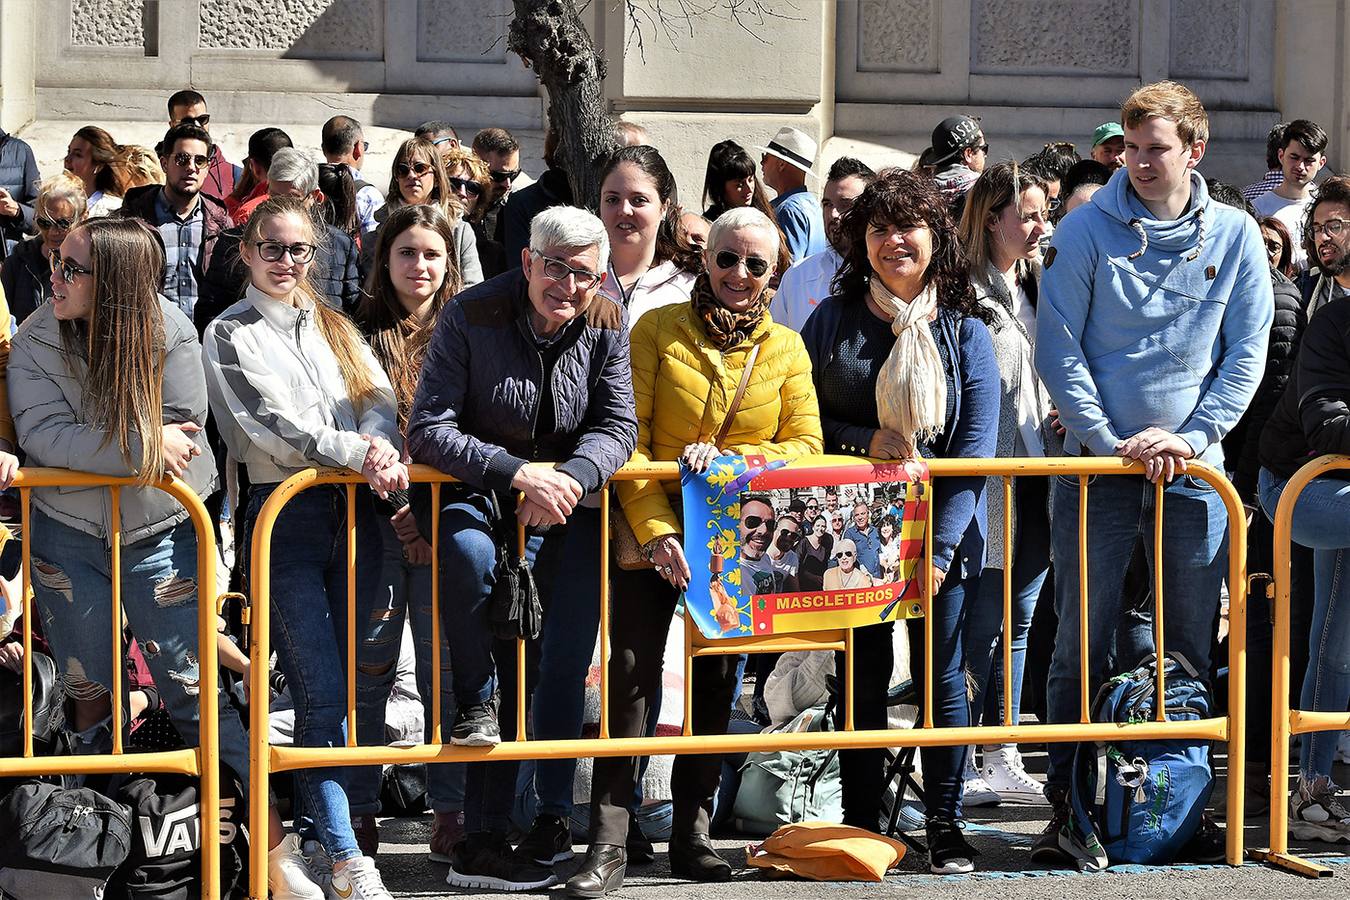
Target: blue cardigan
point(971, 431)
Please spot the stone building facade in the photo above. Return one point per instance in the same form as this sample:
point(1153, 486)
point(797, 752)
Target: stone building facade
point(866, 76)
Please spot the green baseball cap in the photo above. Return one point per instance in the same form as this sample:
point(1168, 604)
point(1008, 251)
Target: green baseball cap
point(1106, 131)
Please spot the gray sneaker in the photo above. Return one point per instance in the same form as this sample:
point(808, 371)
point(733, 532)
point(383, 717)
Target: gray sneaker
point(1315, 814)
point(1063, 843)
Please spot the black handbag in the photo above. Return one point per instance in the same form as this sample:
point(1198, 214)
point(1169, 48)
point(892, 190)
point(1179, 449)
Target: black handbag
point(514, 608)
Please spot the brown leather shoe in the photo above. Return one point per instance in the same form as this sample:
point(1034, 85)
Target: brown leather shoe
point(446, 831)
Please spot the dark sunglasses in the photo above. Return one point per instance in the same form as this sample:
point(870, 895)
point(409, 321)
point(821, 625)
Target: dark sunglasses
point(792, 536)
point(1271, 246)
point(67, 269)
point(467, 185)
point(845, 553)
point(982, 148)
point(59, 224)
point(753, 522)
point(504, 176)
point(200, 121)
point(184, 160)
point(403, 170)
point(271, 251)
point(729, 259)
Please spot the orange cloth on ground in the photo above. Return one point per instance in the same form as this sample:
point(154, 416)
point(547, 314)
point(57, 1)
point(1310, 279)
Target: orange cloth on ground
point(823, 851)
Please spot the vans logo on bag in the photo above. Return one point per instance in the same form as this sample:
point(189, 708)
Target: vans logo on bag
point(179, 831)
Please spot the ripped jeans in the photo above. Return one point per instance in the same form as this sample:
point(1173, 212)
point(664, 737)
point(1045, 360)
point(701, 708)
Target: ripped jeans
point(72, 587)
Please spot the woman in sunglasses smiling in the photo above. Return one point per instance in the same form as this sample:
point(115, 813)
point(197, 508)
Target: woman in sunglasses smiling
point(419, 177)
point(26, 273)
point(467, 178)
point(904, 367)
point(688, 360)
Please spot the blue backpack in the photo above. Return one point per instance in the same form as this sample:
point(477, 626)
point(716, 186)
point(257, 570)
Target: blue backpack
point(1155, 791)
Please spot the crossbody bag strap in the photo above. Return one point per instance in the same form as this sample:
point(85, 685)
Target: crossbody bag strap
point(736, 399)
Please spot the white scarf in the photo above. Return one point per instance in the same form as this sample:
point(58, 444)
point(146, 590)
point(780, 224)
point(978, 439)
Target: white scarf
point(911, 387)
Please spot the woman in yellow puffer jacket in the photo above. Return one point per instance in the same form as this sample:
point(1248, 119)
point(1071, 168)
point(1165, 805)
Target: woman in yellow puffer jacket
point(687, 362)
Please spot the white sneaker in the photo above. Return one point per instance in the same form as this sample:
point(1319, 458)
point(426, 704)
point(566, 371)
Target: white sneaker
point(288, 877)
point(1004, 773)
point(318, 861)
point(1315, 814)
point(358, 880)
point(975, 790)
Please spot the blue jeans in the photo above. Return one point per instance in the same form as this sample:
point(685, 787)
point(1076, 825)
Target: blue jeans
point(1120, 509)
point(405, 590)
point(984, 619)
point(1322, 522)
point(566, 564)
point(72, 586)
point(309, 633)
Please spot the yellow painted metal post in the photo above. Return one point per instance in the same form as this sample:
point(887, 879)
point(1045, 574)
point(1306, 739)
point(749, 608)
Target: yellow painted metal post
point(604, 611)
point(1084, 712)
point(1158, 492)
point(351, 615)
point(115, 701)
point(929, 604)
point(1007, 602)
point(436, 710)
point(26, 549)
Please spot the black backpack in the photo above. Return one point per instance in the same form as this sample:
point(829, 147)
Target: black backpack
point(164, 860)
point(60, 842)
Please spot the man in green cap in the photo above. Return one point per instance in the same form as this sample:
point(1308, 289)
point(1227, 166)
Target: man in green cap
point(1108, 145)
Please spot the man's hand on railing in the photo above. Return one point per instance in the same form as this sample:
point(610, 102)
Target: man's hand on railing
point(179, 447)
point(9, 469)
point(550, 495)
point(1163, 454)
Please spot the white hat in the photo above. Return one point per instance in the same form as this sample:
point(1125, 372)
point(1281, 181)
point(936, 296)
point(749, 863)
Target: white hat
point(793, 147)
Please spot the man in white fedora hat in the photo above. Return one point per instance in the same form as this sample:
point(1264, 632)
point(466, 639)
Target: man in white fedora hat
point(787, 160)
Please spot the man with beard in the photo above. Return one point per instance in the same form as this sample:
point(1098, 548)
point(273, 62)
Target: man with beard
point(757, 526)
point(808, 282)
point(1327, 241)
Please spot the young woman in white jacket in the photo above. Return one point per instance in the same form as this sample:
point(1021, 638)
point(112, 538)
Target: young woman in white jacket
point(294, 386)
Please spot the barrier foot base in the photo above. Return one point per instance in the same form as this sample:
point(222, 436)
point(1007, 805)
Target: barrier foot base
point(1296, 864)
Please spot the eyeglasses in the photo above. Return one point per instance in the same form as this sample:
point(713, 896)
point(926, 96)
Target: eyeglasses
point(1052, 204)
point(47, 224)
point(1274, 246)
point(403, 170)
point(845, 554)
point(729, 259)
point(271, 251)
point(754, 522)
point(811, 506)
point(557, 270)
point(1332, 228)
point(981, 148)
point(186, 160)
point(506, 175)
point(200, 121)
point(68, 269)
point(468, 186)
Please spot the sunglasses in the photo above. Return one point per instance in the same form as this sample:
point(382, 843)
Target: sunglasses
point(557, 270)
point(981, 148)
point(47, 224)
point(754, 522)
point(271, 251)
point(790, 537)
point(504, 176)
point(845, 554)
point(441, 140)
point(67, 269)
point(468, 186)
point(185, 160)
point(1274, 246)
point(729, 259)
point(200, 121)
point(403, 170)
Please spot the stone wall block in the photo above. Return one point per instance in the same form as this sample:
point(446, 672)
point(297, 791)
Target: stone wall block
point(305, 29)
point(1050, 37)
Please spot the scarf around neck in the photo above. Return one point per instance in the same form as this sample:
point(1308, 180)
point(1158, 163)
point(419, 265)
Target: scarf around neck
point(727, 329)
point(911, 387)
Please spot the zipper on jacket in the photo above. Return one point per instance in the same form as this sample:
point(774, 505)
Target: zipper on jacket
point(300, 324)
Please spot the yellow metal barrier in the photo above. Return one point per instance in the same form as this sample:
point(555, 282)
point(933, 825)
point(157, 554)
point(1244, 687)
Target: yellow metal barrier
point(1286, 722)
point(266, 759)
point(200, 761)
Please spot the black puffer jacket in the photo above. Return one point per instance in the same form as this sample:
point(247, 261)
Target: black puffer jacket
point(336, 275)
point(26, 278)
point(1241, 447)
point(477, 413)
point(1313, 414)
point(18, 175)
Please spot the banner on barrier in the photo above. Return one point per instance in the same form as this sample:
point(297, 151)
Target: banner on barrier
point(786, 547)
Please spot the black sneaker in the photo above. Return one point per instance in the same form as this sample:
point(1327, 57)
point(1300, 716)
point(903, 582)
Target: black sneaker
point(491, 864)
point(1209, 845)
point(948, 852)
point(549, 841)
point(476, 726)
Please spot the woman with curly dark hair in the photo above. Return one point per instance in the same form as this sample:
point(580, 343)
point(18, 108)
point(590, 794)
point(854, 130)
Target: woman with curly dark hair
point(904, 369)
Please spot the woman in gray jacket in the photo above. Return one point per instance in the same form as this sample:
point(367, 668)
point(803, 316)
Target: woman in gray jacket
point(106, 378)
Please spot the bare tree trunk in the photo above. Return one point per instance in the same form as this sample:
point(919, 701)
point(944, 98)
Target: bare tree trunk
point(550, 36)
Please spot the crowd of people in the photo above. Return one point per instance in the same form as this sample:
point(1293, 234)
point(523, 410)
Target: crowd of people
point(233, 325)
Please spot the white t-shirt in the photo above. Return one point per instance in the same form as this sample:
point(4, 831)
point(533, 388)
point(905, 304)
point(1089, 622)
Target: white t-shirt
point(1290, 213)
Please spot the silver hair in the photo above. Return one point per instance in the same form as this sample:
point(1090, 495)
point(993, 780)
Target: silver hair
point(294, 166)
point(569, 228)
point(744, 217)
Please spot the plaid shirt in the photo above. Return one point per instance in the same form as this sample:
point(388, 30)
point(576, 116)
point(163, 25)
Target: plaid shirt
point(182, 248)
point(1268, 182)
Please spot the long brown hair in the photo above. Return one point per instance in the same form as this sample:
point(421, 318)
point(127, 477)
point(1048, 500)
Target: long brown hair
point(398, 339)
point(123, 341)
point(998, 187)
point(110, 160)
point(672, 241)
point(422, 150)
point(335, 328)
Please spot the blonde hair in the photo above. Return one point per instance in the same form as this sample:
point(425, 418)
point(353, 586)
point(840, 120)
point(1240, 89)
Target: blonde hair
point(62, 186)
point(997, 187)
point(1167, 100)
point(335, 328)
point(142, 167)
point(478, 172)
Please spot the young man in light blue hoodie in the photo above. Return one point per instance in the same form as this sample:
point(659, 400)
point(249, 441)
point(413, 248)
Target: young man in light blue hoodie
point(1151, 332)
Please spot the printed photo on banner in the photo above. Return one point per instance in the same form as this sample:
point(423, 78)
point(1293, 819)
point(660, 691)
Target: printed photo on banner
point(800, 548)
